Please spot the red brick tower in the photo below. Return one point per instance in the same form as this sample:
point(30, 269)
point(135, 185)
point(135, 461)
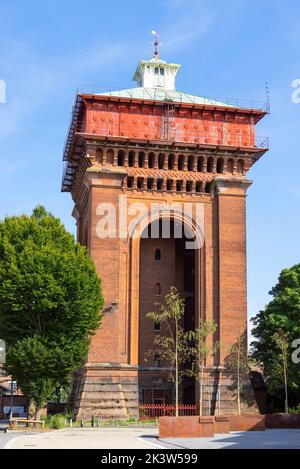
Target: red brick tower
point(154, 144)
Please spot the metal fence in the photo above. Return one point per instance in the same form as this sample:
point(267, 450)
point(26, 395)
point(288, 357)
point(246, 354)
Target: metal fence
point(149, 411)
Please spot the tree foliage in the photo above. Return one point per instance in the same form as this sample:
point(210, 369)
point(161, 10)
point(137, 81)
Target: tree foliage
point(50, 301)
point(172, 344)
point(281, 316)
point(202, 350)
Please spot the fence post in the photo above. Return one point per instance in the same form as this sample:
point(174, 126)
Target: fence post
point(92, 422)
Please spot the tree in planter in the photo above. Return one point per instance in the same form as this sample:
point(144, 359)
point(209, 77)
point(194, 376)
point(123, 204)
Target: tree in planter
point(238, 363)
point(282, 343)
point(173, 343)
point(50, 301)
point(202, 350)
point(280, 316)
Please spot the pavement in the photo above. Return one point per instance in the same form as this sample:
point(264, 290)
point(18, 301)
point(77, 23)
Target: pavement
point(89, 438)
point(146, 438)
point(270, 439)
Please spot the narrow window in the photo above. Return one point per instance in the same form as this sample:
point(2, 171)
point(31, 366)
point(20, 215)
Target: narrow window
point(130, 182)
point(159, 184)
point(161, 161)
point(188, 186)
point(157, 326)
point(169, 184)
point(208, 187)
point(157, 361)
point(200, 165)
point(180, 163)
point(171, 162)
point(140, 183)
point(131, 159)
point(210, 164)
point(157, 254)
point(141, 159)
point(157, 289)
point(149, 183)
point(198, 186)
point(179, 186)
point(121, 157)
point(240, 166)
point(162, 71)
point(191, 163)
point(230, 165)
point(220, 166)
point(156, 70)
point(151, 160)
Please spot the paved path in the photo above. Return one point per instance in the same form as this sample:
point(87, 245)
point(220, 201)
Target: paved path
point(270, 439)
point(6, 437)
point(90, 438)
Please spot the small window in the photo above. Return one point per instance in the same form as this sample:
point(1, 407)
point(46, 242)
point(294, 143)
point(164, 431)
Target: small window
point(171, 162)
point(157, 326)
point(150, 183)
point(130, 182)
point(180, 163)
point(157, 361)
point(159, 184)
point(179, 186)
point(151, 158)
point(140, 182)
point(198, 186)
point(156, 70)
point(157, 289)
point(169, 184)
point(157, 255)
point(162, 71)
point(189, 186)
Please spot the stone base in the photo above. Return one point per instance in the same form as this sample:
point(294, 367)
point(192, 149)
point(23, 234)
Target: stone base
point(105, 391)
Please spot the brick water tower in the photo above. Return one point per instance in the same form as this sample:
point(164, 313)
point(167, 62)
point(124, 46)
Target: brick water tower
point(151, 145)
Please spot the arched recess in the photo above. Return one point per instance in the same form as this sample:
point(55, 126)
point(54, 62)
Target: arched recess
point(135, 231)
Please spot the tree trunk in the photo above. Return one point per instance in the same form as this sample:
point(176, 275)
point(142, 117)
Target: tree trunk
point(238, 378)
point(286, 404)
point(176, 372)
point(201, 389)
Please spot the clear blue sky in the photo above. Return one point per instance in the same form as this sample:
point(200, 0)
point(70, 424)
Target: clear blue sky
point(226, 48)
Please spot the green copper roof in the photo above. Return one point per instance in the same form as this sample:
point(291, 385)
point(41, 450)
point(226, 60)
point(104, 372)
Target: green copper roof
point(164, 95)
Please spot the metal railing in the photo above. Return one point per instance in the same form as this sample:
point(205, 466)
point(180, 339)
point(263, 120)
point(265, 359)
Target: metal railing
point(161, 410)
point(176, 96)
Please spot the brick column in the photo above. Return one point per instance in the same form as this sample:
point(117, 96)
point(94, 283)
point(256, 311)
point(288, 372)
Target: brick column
point(232, 277)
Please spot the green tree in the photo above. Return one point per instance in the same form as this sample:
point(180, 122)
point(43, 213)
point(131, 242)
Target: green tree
point(172, 344)
point(50, 302)
point(202, 351)
point(280, 318)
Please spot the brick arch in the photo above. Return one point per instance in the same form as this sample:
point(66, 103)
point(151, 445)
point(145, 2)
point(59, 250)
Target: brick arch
point(135, 231)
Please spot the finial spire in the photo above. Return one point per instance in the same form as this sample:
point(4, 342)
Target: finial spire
point(156, 44)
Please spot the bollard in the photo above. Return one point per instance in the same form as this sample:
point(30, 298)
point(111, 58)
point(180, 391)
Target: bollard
point(70, 423)
point(81, 423)
point(97, 422)
point(92, 422)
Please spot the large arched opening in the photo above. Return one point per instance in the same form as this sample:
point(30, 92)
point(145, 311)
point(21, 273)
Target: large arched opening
point(166, 259)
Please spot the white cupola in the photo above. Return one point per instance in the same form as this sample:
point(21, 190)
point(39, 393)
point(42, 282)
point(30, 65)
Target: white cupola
point(156, 73)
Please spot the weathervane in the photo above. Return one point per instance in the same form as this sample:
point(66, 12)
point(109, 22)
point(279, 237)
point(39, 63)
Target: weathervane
point(156, 44)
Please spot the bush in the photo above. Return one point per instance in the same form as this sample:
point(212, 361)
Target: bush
point(57, 421)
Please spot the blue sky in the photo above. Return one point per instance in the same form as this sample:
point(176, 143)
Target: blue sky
point(226, 48)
